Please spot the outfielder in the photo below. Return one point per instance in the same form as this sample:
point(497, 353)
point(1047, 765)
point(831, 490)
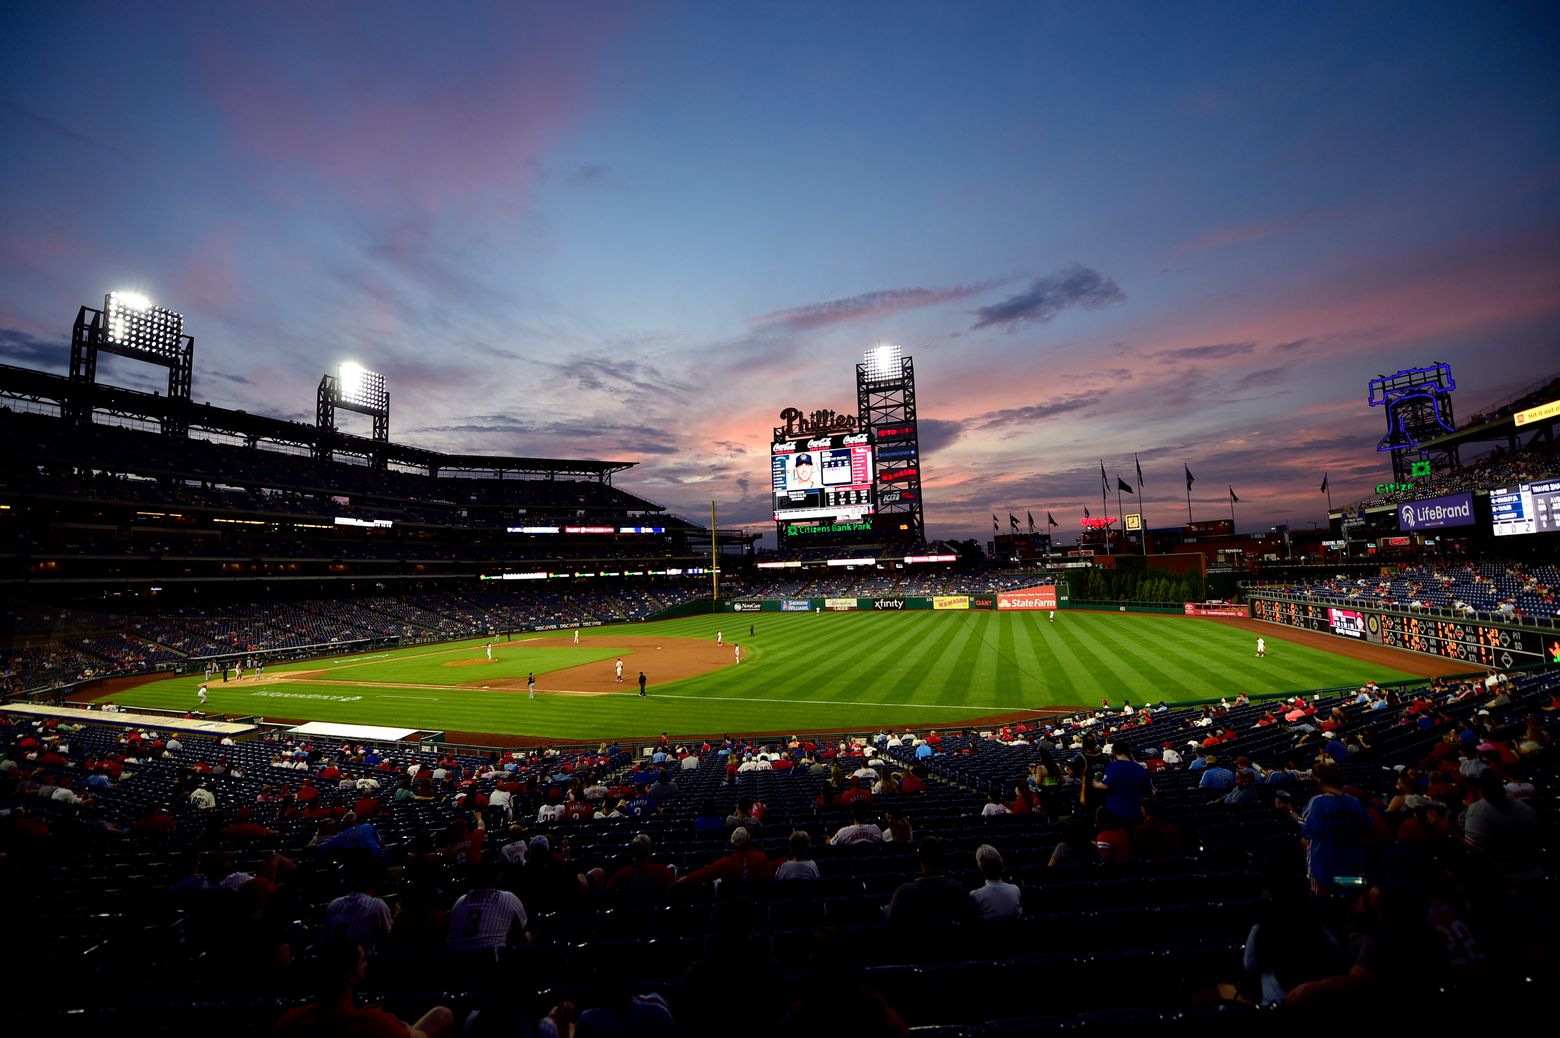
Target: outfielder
point(618, 668)
point(202, 693)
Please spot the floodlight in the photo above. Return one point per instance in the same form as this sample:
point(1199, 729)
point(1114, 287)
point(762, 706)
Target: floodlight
point(882, 363)
point(357, 387)
point(132, 322)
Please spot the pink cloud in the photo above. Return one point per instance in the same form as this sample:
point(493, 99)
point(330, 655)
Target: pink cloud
point(868, 304)
point(1237, 234)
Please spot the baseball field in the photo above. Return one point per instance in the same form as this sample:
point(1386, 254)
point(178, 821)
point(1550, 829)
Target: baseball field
point(799, 672)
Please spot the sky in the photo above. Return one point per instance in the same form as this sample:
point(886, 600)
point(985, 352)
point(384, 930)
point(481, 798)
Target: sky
point(1186, 233)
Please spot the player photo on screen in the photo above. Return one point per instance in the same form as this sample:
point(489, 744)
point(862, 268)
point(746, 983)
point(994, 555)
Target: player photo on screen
point(801, 472)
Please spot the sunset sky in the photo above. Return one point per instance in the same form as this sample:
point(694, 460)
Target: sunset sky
point(638, 231)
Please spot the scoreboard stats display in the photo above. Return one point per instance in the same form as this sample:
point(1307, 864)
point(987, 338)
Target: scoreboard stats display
point(1525, 508)
point(1480, 644)
point(1484, 644)
point(823, 477)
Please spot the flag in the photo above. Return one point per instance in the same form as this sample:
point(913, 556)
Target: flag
point(1086, 511)
point(1123, 486)
point(1139, 465)
point(994, 526)
point(1233, 499)
point(1050, 520)
point(1013, 520)
point(1104, 479)
point(1189, 479)
point(1324, 482)
point(1031, 517)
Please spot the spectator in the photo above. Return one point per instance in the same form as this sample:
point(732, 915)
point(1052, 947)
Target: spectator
point(995, 898)
point(1112, 840)
point(743, 864)
point(833, 995)
point(860, 830)
point(486, 916)
point(1504, 830)
point(897, 827)
point(1127, 784)
point(799, 863)
point(360, 916)
point(932, 898)
point(1156, 838)
point(334, 1011)
point(1335, 827)
point(1076, 847)
point(643, 879)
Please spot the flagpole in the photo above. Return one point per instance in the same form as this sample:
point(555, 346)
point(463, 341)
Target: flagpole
point(1142, 512)
point(1188, 502)
point(1105, 509)
point(1120, 516)
point(1232, 513)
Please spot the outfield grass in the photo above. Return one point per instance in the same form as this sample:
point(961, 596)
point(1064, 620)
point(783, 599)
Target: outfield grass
point(803, 672)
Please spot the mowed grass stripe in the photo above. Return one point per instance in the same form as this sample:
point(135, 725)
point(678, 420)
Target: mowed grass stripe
point(1161, 666)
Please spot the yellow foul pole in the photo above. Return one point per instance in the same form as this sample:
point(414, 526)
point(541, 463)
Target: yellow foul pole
point(714, 558)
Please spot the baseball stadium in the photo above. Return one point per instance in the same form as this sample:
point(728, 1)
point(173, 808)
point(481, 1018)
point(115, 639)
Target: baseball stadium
point(308, 728)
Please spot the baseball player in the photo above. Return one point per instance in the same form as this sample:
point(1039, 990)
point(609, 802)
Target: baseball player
point(238, 670)
point(201, 694)
point(641, 684)
point(530, 683)
point(618, 669)
point(490, 652)
point(259, 668)
point(720, 639)
point(738, 648)
point(576, 636)
point(1261, 646)
point(1053, 616)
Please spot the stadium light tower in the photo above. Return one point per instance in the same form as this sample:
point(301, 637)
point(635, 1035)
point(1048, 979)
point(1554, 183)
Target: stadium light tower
point(885, 404)
point(352, 388)
point(130, 326)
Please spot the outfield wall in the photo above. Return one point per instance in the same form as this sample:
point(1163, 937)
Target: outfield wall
point(1482, 642)
point(1034, 598)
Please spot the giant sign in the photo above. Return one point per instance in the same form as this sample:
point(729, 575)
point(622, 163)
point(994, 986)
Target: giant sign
point(1435, 512)
point(1028, 598)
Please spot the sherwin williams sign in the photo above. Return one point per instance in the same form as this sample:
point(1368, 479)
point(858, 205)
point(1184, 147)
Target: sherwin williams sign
point(796, 605)
point(1029, 598)
point(1434, 512)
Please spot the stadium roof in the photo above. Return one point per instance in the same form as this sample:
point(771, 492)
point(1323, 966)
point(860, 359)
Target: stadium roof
point(41, 386)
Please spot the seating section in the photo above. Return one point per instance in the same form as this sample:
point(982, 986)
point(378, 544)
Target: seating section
point(200, 875)
point(1489, 589)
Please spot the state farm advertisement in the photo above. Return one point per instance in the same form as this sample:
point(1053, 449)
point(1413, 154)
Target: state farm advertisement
point(1029, 598)
point(1208, 609)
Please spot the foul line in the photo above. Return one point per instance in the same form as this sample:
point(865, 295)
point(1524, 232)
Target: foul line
point(420, 699)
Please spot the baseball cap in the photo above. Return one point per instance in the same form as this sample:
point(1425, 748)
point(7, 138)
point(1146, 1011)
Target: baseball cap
point(804, 459)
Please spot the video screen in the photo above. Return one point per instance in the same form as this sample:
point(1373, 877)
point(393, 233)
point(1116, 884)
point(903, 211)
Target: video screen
point(1525, 508)
point(822, 477)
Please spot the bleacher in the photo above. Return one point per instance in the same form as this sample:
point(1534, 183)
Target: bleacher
point(162, 931)
point(1484, 589)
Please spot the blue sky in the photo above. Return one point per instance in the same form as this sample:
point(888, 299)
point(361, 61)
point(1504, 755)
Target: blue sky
point(637, 232)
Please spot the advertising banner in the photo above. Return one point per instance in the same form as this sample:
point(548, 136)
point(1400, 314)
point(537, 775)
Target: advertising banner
point(950, 602)
point(884, 603)
point(1028, 598)
point(984, 602)
point(796, 605)
point(839, 605)
point(1435, 512)
point(1205, 609)
point(1348, 622)
point(747, 607)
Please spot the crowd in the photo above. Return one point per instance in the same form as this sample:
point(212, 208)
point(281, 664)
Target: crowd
point(1304, 853)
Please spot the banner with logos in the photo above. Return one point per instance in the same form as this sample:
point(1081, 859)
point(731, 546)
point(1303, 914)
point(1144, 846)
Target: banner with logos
point(796, 605)
point(942, 602)
point(747, 607)
point(1435, 512)
point(1028, 598)
point(840, 605)
point(1205, 609)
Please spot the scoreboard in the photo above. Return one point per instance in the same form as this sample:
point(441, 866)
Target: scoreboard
point(1479, 644)
point(1487, 645)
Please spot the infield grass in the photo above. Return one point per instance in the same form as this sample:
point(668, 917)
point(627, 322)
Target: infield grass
point(829, 671)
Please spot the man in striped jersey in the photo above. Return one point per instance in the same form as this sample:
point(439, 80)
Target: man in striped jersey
point(486, 917)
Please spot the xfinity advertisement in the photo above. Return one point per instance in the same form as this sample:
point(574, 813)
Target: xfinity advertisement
point(1435, 512)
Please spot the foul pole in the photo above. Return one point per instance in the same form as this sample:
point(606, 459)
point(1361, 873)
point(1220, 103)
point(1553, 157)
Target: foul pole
point(714, 557)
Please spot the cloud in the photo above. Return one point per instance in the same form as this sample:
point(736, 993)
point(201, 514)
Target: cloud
point(1262, 377)
point(1040, 412)
point(936, 433)
point(1291, 346)
point(1048, 296)
point(1237, 234)
point(1216, 351)
point(868, 304)
point(58, 129)
point(590, 173)
point(31, 351)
